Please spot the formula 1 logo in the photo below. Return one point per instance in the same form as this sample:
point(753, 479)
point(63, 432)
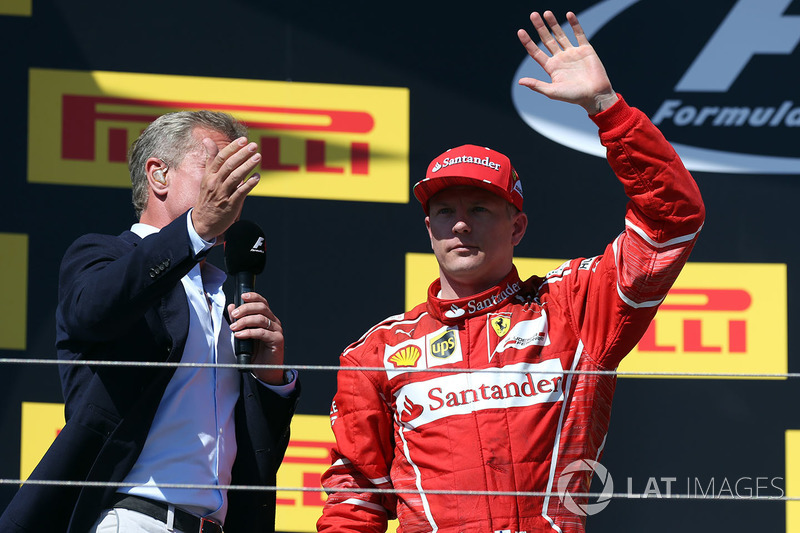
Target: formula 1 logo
point(710, 107)
point(260, 246)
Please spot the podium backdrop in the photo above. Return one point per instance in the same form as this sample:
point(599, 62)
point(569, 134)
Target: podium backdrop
point(349, 102)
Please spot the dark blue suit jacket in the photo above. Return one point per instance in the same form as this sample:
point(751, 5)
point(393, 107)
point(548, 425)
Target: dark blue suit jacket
point(120, 298)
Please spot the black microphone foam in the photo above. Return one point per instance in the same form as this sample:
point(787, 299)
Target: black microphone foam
point(245, 256)
point(245, 248)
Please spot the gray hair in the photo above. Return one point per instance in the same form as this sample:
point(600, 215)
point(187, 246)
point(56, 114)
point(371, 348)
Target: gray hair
point(170, 139)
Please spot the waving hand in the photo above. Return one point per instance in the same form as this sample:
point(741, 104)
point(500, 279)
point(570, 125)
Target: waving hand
point(577, 75)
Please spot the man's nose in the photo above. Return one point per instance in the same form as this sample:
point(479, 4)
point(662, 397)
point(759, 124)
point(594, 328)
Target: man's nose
point(461, 226)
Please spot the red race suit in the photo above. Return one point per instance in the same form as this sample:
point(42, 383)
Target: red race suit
point(515, 429)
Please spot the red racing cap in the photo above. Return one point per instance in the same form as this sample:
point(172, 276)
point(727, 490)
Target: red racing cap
point(473, 166)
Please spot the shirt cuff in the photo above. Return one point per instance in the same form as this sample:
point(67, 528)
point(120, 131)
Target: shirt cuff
point(199, 245)
point(282, 390)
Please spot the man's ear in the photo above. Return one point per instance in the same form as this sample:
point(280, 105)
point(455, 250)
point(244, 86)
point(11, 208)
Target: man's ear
point(428, 226)
point(520, 225)
point(156, 171)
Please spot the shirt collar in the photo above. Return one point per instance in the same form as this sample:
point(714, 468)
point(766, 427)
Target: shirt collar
point(143, 230)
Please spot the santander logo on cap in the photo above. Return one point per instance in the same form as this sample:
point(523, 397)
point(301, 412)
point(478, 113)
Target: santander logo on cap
point(447, 161)
point(474, 166)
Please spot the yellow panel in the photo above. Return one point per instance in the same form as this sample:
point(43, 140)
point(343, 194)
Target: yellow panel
point(306, 459)
point(41, 423)
point(719, 318)
point(793, 481)
point(14, 304)
point(707, 324)
point(333, 142)
point(20, 8)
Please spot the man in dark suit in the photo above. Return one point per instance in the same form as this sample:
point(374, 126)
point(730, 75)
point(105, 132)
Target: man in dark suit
point(148, 295)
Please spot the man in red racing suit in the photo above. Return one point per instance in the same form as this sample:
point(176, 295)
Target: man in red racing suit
point(434, 422)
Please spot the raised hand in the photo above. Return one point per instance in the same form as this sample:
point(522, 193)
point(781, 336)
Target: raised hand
point(223, 188)
point(577, 75)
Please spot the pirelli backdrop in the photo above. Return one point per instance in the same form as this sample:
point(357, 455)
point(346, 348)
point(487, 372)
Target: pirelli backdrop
point(349, 101)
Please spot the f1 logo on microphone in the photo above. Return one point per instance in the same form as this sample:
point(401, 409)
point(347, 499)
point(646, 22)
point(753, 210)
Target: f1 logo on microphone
point(260, 246)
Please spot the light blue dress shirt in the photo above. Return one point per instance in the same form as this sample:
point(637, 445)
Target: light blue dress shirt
point(192, 439)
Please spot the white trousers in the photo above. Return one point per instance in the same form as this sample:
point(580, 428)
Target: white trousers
point(126, 521)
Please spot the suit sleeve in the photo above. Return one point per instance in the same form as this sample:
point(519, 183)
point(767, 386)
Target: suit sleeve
point(362, 458)
point(276, 411)
point(106, 283)
point(616, 295)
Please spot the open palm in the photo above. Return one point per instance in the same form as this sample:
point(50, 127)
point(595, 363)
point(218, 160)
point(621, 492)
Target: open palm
point(576, 73)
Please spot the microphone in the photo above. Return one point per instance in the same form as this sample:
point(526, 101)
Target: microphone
point(245, 256)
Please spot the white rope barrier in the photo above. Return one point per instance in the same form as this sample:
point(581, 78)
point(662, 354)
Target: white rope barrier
point(336, 368)
point(531, 494)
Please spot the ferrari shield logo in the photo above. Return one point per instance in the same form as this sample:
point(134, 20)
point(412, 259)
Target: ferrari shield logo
point(500, 324)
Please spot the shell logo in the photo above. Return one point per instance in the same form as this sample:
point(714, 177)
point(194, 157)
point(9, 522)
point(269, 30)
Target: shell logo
point(405, 357)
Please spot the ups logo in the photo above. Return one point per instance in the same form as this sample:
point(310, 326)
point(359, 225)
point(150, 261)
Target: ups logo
point(444, 345)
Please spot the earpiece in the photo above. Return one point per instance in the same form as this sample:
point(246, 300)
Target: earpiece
point(158, 175)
